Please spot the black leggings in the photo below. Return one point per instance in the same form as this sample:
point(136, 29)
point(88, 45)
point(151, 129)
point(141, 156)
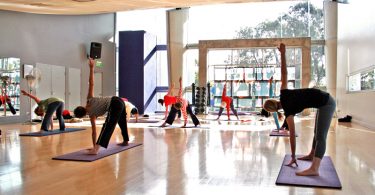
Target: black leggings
point(231, 107)
point(174, 111)
point(116, 115)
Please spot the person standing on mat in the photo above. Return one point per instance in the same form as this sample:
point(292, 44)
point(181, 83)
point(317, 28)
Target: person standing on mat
point(183, 105)
point(226, 102)
point(48, 106)
point(169, 100)
point(294, 101)
point(98, 106)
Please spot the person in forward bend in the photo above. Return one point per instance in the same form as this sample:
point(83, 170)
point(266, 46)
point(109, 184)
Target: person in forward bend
point(46, 108)
point(4, 99)
point(98, 106)
point(169, 100)
point(226, 102)
point(131, 110)
point(294, 101)
point(183, 105)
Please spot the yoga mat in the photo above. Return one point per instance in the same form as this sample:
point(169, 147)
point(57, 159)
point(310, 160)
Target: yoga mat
point(53, 132)
point(327, 174)
point(238, 113)
point(281, 133)
point(143, 121)
point(82, 155)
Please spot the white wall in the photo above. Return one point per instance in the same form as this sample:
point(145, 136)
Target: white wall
point(62, 40)
point(356, 51)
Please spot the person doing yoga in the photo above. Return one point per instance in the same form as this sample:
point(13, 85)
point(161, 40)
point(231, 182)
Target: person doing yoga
point(5, 100)
point(131, 110)
point(98, 106)
point(183, 105)
point(294, 101)
point(48, 106)
point(169, 100)
point(226, 102)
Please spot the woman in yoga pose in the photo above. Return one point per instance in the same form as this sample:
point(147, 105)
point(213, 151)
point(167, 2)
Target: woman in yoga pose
point(226, 102)
point(169, 100)
point(98, 106)
point(294, 101)
point(48, 106)
point(183, 105)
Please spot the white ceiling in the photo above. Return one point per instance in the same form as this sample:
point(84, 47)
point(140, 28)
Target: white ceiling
point(77, 7)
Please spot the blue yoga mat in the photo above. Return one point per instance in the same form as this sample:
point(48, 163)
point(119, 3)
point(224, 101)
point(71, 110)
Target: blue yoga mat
point(82, 155)
point(327, 174)
point(53, 132)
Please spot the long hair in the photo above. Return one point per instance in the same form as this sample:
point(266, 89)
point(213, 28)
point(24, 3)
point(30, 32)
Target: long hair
point(271, 105)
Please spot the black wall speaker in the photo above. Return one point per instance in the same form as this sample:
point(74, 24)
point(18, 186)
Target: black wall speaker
point(95, 50)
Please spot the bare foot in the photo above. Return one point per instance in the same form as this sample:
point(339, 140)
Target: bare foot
point(93, 151)
point(308, 172)
point(307, 157)
point(125, 143)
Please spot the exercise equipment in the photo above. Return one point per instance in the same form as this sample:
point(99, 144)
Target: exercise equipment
point(199, 99)
point(82, 155)
point(327, 178)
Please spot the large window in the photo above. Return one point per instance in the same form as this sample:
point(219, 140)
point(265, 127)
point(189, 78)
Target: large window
point(287, 19)
point(363, 80)
point(247, 73)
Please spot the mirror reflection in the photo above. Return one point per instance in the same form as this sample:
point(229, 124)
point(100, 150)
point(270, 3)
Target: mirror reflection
point(10, 86)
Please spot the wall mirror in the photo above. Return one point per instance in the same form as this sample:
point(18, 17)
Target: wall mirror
point(10, 86)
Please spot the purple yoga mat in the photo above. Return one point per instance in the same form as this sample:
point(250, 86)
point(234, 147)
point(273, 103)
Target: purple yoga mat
point(82, 155)
point(280, 133)
point(51, 132)
point(327, 174)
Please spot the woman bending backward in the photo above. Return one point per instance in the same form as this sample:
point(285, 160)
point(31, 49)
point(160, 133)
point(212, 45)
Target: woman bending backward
point(294, 101)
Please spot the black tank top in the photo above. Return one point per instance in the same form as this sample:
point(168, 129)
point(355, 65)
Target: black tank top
point(295, 101)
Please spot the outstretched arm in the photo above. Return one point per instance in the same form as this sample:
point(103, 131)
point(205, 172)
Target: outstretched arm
point(93, 128)
point(292, 139)
point(36, 99)
point(284, 70)
point(224, 90)
point(91, 79)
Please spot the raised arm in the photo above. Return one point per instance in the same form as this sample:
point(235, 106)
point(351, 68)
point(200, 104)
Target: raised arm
point(36, 99)
point(90, 93)
point(271, 87)
point(224, 90)
point(284, 70)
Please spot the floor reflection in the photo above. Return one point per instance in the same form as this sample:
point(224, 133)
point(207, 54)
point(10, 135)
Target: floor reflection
point(228, 157)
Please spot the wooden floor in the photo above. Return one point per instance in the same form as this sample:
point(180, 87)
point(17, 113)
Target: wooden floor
point(224, 158)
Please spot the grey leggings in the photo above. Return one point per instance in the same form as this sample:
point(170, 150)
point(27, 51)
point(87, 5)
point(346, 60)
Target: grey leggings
point(323, 120)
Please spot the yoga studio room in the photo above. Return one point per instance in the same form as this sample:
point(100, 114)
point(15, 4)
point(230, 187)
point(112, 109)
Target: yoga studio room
point(187, 97)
